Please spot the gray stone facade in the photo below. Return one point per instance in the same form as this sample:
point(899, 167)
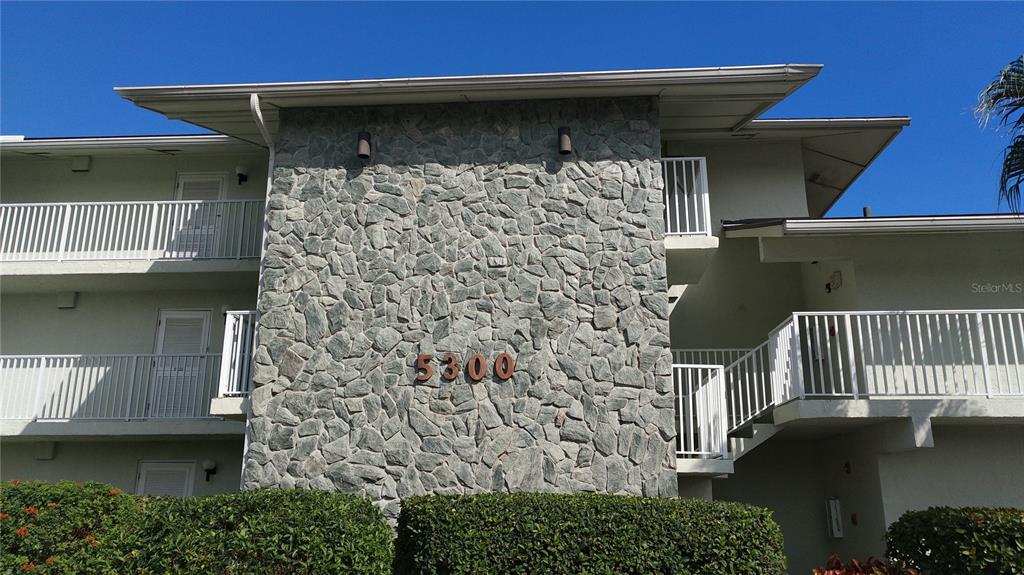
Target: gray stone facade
point(465, 233)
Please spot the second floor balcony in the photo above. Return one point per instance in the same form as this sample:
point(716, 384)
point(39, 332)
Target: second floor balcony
point(128, 394)
point(77, 233)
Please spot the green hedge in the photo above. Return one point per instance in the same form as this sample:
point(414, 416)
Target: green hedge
point(65, 527)
point(955, 541)
point(586, 533)
point(95, 529)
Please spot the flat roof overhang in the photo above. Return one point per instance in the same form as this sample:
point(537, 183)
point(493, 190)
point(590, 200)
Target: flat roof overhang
point(836, 151)
point(692, 99)
point(883, 225)
point(125, 145)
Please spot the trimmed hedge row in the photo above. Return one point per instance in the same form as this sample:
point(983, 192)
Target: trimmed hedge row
point(589, 533)
point(955, 541)
point(95, 529)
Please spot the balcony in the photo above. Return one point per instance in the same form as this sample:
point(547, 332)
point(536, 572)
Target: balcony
point(145, 394)
point(865, 364)
point(689, 242)
point(125, 237)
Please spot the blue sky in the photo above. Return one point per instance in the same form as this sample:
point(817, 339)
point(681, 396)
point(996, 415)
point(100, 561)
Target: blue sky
point(929, 61)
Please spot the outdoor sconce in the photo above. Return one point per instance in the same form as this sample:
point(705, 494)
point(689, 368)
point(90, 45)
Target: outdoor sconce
point(363, 147)
point(564, 141)
point(243, 174)
point(210, 467)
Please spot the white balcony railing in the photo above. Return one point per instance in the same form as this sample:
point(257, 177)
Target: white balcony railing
point(700, 393)
point(853, 355)
point(181, 230)
point(687, 209)
point(123, 387)
point(239, 342)
point(708, 356)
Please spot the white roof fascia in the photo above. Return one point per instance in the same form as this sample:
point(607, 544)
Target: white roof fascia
point(569, 80)
point(42, 144)
point(797, 123)
point(903, 225)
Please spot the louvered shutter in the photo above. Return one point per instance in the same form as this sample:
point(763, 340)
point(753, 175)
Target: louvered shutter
point(197, 235)
point(180, 371)
point(200, 187)
point(165, 478)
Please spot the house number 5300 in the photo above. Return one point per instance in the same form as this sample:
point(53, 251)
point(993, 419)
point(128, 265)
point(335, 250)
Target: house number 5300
point(476, 367)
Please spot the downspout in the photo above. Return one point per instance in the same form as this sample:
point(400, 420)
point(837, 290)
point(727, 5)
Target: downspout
point(257, 117)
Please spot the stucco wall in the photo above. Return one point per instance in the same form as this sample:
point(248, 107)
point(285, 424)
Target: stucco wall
point(786, 477)
point(123, 178)
point(981, 466)
point(737, 301)
point(749, 179)
point(465, 233)
point(933, 271)
point(105, 322)
point(969, 465)
point(117, 462)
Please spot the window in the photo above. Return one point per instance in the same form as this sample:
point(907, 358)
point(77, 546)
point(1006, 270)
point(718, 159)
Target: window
point(165, 478)
point(208, 187)
point(182, 331)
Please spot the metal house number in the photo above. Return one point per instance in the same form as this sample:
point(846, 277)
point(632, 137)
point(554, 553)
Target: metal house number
point(476, 367)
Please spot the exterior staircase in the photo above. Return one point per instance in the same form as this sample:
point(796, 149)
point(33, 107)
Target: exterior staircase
point(726, 397)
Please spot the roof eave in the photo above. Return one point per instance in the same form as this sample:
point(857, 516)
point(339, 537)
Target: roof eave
point(619, 78)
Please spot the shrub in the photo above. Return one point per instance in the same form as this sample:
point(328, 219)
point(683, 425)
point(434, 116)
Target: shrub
point(873, 566)
point(585, 533)
point(954, 541)
point(64, 527)
point(94, 529)
point(272, 531)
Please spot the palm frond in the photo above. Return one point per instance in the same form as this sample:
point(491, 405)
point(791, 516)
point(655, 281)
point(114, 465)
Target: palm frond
point(1004, 97)
point(1013, 174)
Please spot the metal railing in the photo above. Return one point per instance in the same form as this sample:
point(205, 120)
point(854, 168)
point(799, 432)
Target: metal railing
point(178, 230)
point(852, 355)
point(701, 424)
point(236, 359)
point(708, 356)
point(687, 209)
point(912, 353)
point(121, 387)
point(941, 353)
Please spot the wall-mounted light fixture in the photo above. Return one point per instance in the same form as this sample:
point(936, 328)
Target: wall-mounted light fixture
point(564, 141)
point(243, 174)
point(210, 467)
point(363, 147)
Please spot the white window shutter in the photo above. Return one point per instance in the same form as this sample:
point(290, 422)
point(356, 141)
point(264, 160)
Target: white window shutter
point(183, 335)
point(165, 478)
point(199, 187)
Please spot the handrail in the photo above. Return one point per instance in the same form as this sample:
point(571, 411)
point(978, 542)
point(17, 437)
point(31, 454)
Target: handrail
point(687, 205)
point(139, 230)
point(236, 358)
point(913, 353)
point(700, 421)
point(116, 386)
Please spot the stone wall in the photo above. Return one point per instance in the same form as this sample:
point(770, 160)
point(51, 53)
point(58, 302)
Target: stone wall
point(465, 233)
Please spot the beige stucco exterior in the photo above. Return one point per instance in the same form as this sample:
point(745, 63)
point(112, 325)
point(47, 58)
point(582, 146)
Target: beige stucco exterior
point(117, 461)
point(795, 474)
point(150, 177)
point(107, 322)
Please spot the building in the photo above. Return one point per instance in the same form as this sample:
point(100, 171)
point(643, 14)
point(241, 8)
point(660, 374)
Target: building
point(618, 282)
